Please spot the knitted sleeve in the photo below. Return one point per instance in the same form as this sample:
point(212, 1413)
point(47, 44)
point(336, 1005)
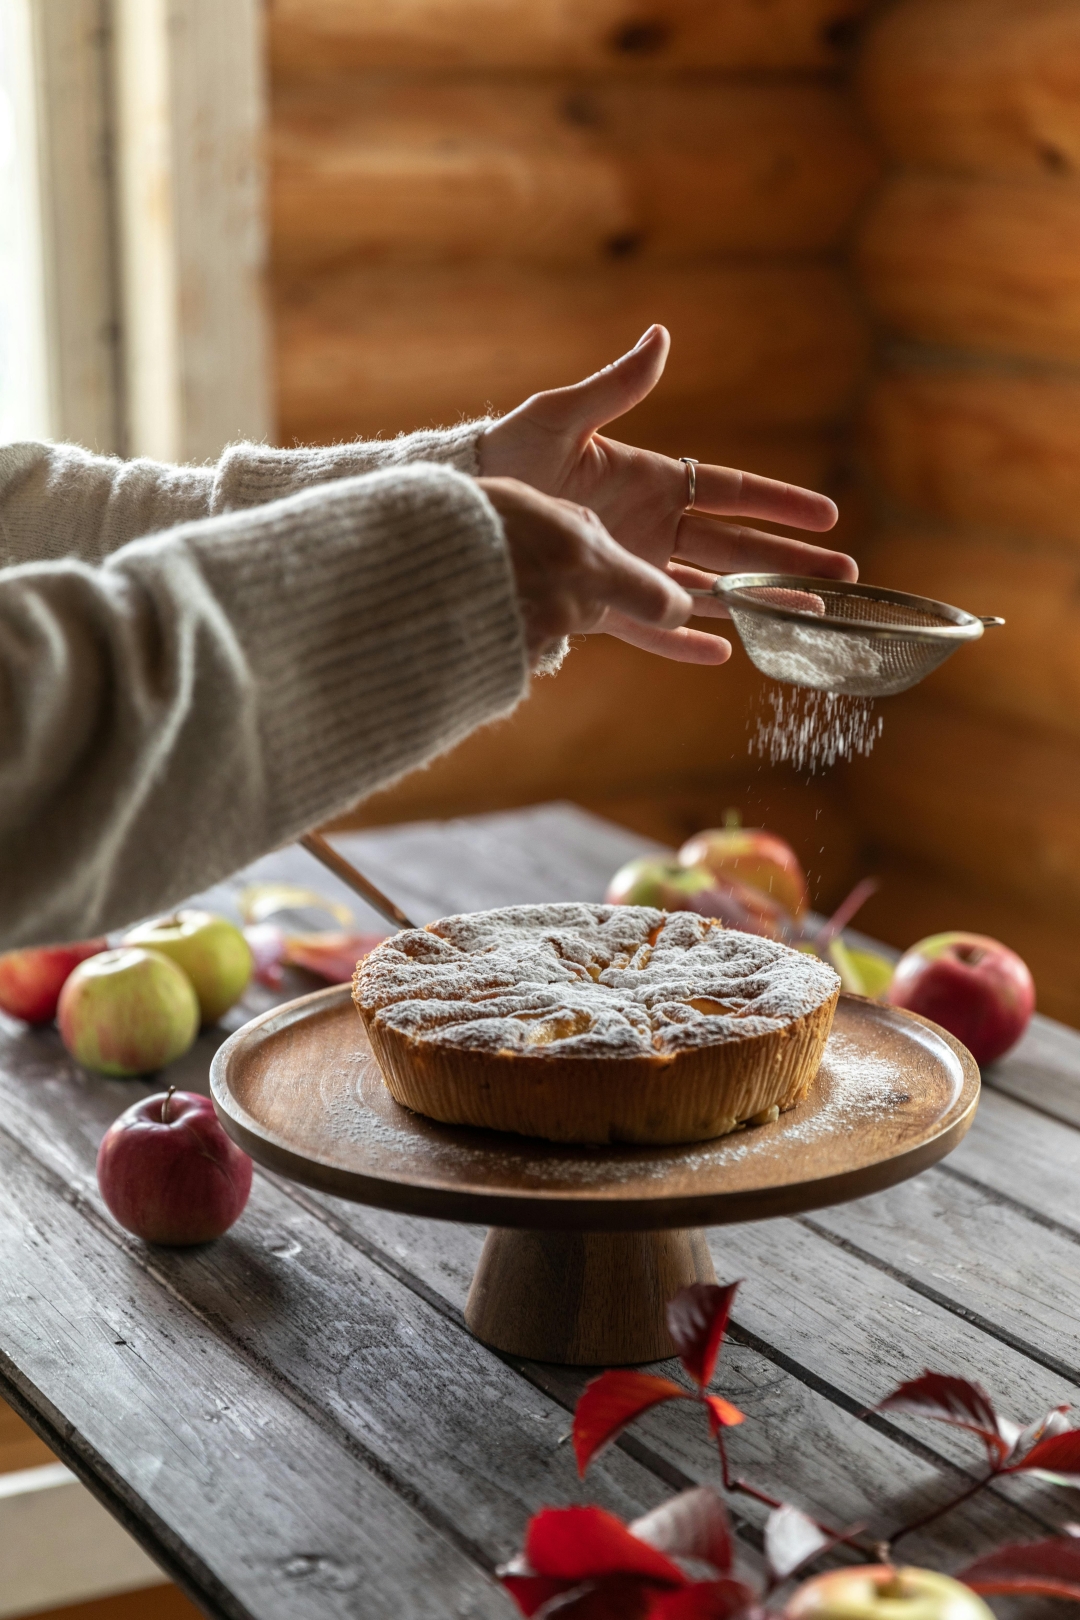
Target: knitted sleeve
point(57, 500)
point(204, 695)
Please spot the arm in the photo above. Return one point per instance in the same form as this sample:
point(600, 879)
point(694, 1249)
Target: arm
point(57, 500)
point(204, 695)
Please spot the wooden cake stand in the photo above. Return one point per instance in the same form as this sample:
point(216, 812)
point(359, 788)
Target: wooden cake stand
point(587, 1243)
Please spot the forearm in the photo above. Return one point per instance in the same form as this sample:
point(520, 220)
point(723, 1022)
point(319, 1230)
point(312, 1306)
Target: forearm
point(206, 695)
point(57, 500)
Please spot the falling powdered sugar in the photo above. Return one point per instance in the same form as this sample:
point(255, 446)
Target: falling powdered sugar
point(812, 730)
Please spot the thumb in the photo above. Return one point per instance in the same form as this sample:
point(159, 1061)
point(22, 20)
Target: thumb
point(588, 405)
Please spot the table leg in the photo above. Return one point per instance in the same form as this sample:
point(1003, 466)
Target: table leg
point(582, 1298)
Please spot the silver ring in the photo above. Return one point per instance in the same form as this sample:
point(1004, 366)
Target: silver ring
point(690, 463)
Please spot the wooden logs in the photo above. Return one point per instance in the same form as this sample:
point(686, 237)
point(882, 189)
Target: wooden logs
point(990, 86)
point(981, 447)
point(610, 35)
point(1025, 673)
point(977, 265)
point(994, 805)
point(560, 171)
point(376, 351)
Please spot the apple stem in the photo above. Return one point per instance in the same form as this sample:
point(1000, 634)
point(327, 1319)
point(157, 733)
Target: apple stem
point(732, 818)
point(165, 1105)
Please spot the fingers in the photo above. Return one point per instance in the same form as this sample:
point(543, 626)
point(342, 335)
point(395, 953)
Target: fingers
point(631, 586)
point(682, 646)
point(583, 407)
point(730, 493)
point(729, 548)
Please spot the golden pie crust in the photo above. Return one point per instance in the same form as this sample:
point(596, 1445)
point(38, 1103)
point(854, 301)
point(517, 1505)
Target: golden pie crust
point(589, 1023)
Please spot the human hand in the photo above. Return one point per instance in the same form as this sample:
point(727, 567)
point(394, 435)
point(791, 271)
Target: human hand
point(552, 443)
point(571, 575)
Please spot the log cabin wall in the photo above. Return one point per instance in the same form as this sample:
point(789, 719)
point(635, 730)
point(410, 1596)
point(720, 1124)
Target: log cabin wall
point(969, 255)
point(474, 201)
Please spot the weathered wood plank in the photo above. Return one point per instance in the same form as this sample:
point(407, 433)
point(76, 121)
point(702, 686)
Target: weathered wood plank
point(319, 36)
point(976, 265)
point(980, 447)
point(1044, 1071)
point(239, 1494)
point(420, 1401)
point(381, 349)
point(560, 171)
point(1025, 1157)
point(990, 86)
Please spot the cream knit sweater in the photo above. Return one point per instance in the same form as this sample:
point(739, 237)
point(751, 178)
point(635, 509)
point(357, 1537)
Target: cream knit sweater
point(196, 664)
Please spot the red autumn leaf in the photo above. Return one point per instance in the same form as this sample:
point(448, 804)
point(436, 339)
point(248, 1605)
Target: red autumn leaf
point(1048, 1568)
point(530, 1592)
point(1019, 1439)
point(610, 1402)
point(1056, 1458)
point(619, 1597)
point(950, 1400)
point(722, 1415)
point(697, 1320)
point(693, 1524)
point(791, 1537)
point(707, 1600)
point(583, 1543)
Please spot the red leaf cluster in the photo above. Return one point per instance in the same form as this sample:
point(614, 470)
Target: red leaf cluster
point(1049, 1449)
point(581, 1563)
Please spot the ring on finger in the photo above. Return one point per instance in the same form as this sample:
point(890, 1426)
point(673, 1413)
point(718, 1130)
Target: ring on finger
point(691, 465)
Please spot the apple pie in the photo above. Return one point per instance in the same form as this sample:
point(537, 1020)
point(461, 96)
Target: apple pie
point(592, 1023)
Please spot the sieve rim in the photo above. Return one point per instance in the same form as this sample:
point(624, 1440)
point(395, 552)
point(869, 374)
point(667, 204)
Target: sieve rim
point(731, 589)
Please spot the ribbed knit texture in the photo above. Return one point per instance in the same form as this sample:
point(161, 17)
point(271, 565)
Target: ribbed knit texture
point(201, 696)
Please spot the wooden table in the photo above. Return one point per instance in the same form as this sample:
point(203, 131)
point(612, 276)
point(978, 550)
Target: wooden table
point(295, 1423)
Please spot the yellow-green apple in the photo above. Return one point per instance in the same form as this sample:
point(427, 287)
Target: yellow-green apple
point(653, 881)
point(31, 980)
point(752, 856)
point(975, 987)
point(211, 950)
point(128, 1011)
point(168, 1172)
point(879, 1592)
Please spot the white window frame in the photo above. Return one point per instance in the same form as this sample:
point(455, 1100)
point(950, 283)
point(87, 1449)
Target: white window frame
point(143, 246)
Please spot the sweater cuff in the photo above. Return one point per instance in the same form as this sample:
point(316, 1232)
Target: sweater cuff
point(250, 474)
point(379, 623)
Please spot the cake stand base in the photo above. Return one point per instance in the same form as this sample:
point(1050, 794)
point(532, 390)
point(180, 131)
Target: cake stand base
point(584, 1299)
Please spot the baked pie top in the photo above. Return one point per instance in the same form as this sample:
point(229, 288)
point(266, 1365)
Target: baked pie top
point(586, 981)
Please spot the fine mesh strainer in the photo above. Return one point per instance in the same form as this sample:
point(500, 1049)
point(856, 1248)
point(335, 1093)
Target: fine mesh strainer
point(856, 639)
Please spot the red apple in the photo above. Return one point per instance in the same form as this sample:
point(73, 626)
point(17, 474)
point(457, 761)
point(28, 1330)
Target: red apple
point(127, 1012)
point(168, 1172)
point(752, 856)
point(31, 980)
point(653, 881)
point(211, 950)
point(974, 987)
point(879, 1592)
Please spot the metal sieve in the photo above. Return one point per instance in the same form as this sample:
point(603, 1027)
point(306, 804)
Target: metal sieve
point(856, 639)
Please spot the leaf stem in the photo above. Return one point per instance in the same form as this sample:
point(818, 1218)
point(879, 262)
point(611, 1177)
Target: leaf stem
point(946, 1507)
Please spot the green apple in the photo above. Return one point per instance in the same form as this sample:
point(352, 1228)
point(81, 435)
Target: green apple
point(211, 950)
point(653, 881)
point(127, 1012)
point(879, 1592)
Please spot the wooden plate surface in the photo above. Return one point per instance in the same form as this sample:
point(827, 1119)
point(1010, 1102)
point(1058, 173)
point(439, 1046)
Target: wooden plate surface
point(299, 1089)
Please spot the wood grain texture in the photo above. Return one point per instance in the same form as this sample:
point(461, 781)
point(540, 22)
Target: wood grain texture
point(987, 86)
point(976, 264)
point(989, 802)
point(561, 172)
point(380, 350)
point(583, 1299)
point(317, 36)
point(985, 447)
point(1028, 671)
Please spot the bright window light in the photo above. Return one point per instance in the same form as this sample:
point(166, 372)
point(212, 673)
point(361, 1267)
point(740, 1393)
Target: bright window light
point(24, 376)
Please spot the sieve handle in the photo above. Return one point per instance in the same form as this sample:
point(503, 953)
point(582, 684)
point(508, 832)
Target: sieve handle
point(987, 624)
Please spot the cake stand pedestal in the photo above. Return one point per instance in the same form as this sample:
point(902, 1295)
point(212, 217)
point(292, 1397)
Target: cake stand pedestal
point(587, 1244)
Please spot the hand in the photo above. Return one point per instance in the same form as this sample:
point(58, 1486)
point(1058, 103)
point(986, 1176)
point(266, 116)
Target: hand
point(571, 576)
point(552, 443)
